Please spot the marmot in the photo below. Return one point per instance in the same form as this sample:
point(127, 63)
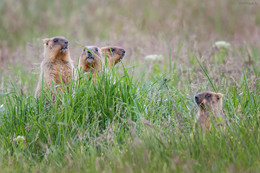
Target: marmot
point(90, 59)
point(209, 103)
point(57, 65)
point(113, 54)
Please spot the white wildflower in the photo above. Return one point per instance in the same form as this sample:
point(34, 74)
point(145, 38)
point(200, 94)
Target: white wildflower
point(153, 57)
point(222, 45)
point(1, 106)
point(19, 139)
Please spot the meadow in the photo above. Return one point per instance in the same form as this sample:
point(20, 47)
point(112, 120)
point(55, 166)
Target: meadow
point(140, 115)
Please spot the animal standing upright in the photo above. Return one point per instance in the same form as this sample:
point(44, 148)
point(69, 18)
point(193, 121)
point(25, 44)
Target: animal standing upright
point(57, 66)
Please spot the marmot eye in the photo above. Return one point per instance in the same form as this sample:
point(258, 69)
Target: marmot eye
point(208, 95)
point(96, 49)
point(55, 40)
point(217, 98)
point(112, 49)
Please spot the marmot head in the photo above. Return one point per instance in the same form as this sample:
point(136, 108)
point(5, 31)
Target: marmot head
point(90, 54)
point(90, 59)
point(113, 54)
point(208, 100)
point(56, 45)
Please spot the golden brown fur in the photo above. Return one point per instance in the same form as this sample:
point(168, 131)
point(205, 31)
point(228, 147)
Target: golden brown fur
point(57, 66)
point(210, 107)
point(112, 54)
point(90, 59)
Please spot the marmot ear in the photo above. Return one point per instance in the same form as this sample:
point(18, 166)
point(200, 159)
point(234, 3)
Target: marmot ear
point(45, 41)
point(221, 95)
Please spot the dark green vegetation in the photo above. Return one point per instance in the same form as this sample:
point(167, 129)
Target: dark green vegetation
point(139, 116)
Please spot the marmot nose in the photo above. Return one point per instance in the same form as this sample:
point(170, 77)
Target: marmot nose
point(66, 42)
point(123, 51)
point(197, 100)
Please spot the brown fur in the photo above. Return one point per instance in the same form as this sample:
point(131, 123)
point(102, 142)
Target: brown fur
point(56, 65)
point(210, 107)
point(112, 54)
point(90, 59)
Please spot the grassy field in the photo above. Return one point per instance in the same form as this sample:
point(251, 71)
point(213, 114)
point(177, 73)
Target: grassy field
point(140, 115)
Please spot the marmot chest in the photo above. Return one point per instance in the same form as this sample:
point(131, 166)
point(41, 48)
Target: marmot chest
point(60, 71)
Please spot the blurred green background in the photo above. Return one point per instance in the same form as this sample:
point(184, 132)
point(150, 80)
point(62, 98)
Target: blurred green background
point(131, 23)
point(174, 29)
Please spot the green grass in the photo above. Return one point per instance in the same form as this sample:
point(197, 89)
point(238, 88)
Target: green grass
point(120, 123)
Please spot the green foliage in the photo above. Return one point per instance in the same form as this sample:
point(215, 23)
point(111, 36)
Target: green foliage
point(109, 122)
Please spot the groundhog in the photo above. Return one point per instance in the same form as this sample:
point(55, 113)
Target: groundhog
point(57, 65)
point(90, 59)
point(112, 54)
point(210, 107)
